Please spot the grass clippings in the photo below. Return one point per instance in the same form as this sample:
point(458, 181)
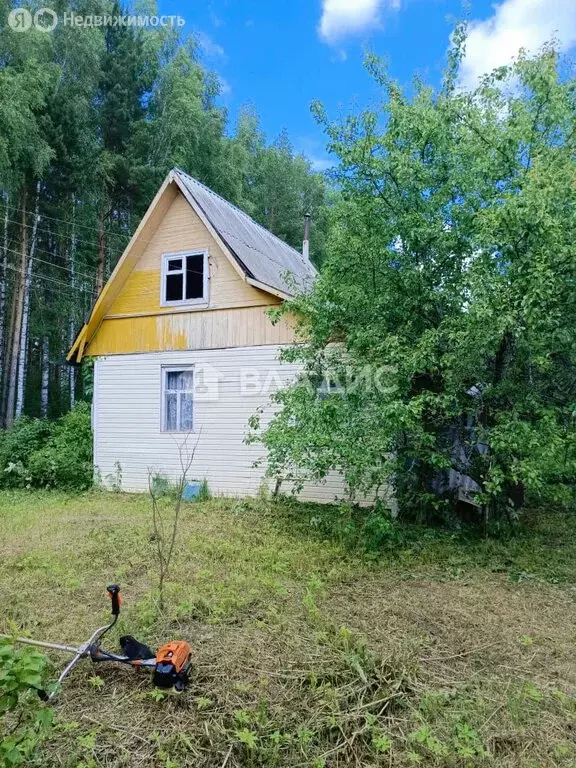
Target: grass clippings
point(438, 653)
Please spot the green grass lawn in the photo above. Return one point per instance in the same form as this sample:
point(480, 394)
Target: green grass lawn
point(439, 651)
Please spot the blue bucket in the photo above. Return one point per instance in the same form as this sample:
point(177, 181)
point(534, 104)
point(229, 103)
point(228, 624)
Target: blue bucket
point(191, 491)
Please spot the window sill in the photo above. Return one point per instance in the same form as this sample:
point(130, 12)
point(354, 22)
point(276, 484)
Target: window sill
point(194, 304)
point(177, 432)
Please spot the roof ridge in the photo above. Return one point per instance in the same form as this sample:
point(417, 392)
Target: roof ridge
point(243, 213)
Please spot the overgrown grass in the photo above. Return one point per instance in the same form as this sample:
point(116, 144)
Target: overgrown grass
point(541, 546)
point(441, 650)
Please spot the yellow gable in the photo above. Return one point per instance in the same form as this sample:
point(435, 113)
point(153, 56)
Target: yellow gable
point(181, 230)
point(129, 316)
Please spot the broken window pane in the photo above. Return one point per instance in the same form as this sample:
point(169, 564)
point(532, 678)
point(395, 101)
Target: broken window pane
point(174, 287)
point(195, 276)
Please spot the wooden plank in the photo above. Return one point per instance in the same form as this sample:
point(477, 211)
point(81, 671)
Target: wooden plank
point(217, 329)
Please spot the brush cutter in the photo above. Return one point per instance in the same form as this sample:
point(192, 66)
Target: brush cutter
point(170, 665)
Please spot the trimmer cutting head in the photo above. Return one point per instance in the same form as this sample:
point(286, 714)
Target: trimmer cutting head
point(170, 665)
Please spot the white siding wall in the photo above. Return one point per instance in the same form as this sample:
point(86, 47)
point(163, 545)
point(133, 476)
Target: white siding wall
point(128, 412)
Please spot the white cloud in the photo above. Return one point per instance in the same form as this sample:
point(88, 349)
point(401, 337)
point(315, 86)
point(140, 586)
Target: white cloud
point(339, 56)
point(516, 24)
point(345, 17)
point(313, 149)
point(320, 164)
point(225, 87)
point(209, 46)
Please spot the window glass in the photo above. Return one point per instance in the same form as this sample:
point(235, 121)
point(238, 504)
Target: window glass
point(185, 381)
point(172, 379)
point(184, 278)
point(170, 414)
point(185, 412)
point(195, 276)
point(178, 401)
point(174, 287)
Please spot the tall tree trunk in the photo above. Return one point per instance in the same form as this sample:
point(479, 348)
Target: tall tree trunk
point(23, 363)
point(8, 346)
point(18, 306)
point(44, 390)
point(3, 285)
point(101, 255)
point(72, 275)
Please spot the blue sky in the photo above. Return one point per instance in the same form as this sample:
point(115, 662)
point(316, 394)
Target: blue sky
point(280, 55)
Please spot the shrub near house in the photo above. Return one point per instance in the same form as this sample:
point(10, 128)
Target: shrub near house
point(41, 454)
point(451, 271)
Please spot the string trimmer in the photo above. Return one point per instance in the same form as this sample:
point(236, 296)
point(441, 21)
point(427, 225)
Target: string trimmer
point(170, 665)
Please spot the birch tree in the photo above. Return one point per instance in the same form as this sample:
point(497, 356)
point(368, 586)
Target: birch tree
point(23, 346)
point(18, 303)
point(3, 280)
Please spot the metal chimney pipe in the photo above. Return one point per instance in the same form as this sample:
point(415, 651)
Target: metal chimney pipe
point(306, 243)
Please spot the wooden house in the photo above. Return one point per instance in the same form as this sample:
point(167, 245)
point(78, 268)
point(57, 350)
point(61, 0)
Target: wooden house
point(184, 347)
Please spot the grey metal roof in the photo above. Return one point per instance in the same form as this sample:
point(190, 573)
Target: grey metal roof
point(262, 255)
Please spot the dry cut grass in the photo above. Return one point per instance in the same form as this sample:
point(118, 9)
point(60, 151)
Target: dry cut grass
point(442, 654)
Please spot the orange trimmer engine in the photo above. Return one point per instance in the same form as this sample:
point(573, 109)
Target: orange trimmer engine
point(172, 665)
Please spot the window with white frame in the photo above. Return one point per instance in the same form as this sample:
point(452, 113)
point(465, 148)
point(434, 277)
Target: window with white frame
point(178, 399)
point(185, 278)
point(328, 385)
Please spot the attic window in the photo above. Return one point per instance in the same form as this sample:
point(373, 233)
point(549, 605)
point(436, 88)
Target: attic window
point(185, 278)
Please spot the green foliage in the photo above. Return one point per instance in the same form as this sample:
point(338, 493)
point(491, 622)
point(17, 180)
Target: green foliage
point(445, 309)
point(17, 445)
point(114, 479)
point(94, 118)
point(355, 527)
point(37, 453)
point(161, 486)
point(204, 492)
point(24, 720)
point(527, 555)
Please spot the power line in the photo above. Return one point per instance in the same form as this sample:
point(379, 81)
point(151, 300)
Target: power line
point(39, 291)
point(43, 250)
point(49, 232)
point(52, 280)
point(63, 221)
point(72, 272)
point(91, 278)
point(76, 273)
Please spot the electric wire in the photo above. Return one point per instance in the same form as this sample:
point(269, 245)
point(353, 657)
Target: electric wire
point(52, 280)
point(38, 226)
point(72, 272)
point(91, 278)
point(63, 221)
point(51, 253)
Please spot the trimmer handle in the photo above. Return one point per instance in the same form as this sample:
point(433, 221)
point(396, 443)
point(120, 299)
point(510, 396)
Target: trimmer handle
point(114, 595)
